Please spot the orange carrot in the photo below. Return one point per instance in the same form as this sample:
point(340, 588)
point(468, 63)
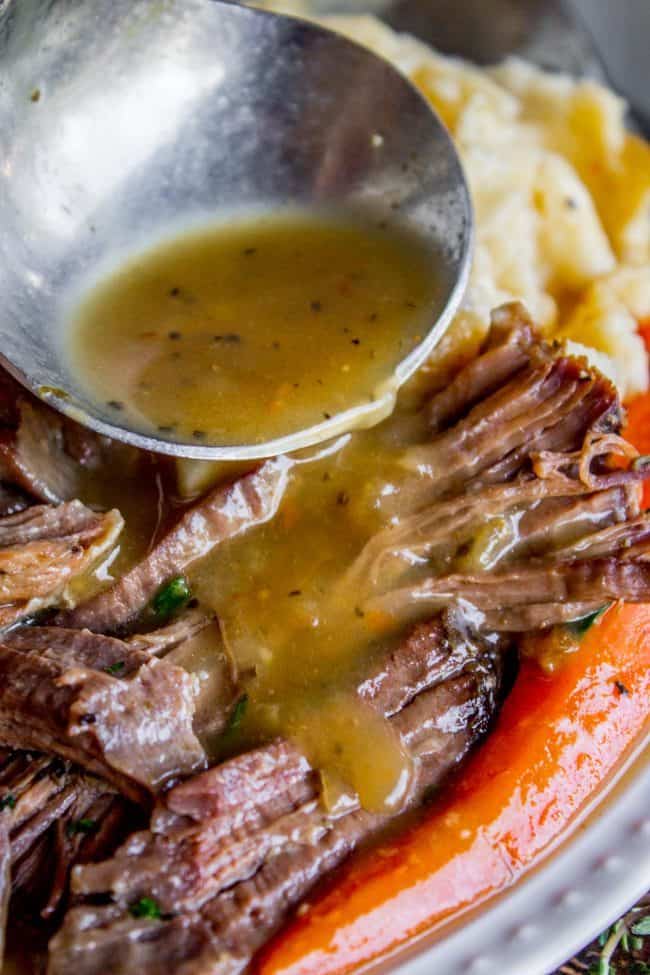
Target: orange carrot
point(555, 743)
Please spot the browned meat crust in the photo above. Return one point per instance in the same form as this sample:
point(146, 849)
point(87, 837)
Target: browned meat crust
point(56, 816)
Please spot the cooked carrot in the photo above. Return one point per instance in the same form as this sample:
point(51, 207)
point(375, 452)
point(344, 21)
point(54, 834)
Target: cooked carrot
point(556, 742)
point(644, 331)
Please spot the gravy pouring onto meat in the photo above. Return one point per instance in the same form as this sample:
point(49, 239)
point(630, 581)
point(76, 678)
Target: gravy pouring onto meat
point(260, 328)
point(299, 653)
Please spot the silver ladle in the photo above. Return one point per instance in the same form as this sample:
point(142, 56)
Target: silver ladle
point(124, 121)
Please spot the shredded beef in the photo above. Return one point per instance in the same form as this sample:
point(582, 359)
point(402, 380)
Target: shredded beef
point(5, 878)
point(176, 633)
point(115, 710)
point(45, 547)
point(527, 508)
point(42, 453)
point(520, 509)
point(506, 352)
point(57, 816)
point(226, 511)
point(230, 851)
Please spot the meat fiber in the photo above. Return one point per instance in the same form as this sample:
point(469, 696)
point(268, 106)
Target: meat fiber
point(56, 815)
point(44, 548)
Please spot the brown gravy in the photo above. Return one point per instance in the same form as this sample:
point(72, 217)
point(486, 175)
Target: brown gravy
point(250, 331)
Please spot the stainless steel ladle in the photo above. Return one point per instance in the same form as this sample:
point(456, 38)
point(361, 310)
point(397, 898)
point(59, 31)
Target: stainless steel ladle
point(124, 121)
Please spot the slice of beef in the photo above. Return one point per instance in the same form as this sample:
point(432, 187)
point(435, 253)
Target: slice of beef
point(226, 511)
point(493, 442)
point(32, 453)
point(194, 642)
point(500, 523)
point(174, 634)
point(229, 852)
point(118, 711)
point(44, 454)
point(594, 582)
point(506, 352)
point(518, 397)
point(44, 548)
point(57, 816)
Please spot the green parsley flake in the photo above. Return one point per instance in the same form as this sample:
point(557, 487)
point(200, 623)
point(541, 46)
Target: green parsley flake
point(580, 626)
point(76, 826)
point(145, 907)
point(237, 714)
point(171, 598)
point(115, 668)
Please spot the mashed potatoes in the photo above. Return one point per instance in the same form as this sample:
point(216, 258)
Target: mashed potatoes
point(561, 194)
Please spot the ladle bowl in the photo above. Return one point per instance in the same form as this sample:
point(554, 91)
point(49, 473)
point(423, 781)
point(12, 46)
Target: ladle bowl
point(123, 122)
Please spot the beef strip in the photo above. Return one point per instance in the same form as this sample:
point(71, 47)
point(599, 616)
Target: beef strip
point(226, 511)
point(176, 633)
point(44, 548)
point(518, 397)
point(592, 581)
point(531, 516)
point(494, 440)
point(506, 352)
point(194, 642)
point(57, 816)
point(118, 711)
point(230, 851)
